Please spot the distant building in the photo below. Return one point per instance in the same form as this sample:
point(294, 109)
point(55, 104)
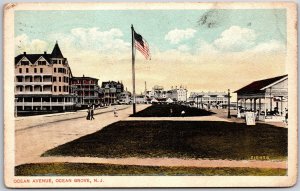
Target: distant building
point(177, 94)
point(112, 90)
point(86, 91)
point(268, 96)
point(209, 98)
point(42, 82)
point(124, 97)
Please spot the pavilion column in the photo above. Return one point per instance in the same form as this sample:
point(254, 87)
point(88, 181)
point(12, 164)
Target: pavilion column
point(41, 103)
point(64, 107)
point(255, 104)
point(32, 103)
point(265, 105)
point(281, 106)
point(245, 103)
point(251, 104)
point(259, 106)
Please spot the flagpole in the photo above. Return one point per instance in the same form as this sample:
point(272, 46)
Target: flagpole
point(133, 69)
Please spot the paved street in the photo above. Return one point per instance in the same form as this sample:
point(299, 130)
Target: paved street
point(37, 134)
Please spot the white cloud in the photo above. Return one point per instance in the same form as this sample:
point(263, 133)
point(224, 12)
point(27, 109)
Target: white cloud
point(270, 46)
point(177, 35)
point(95, 39)
point(183, 48)
point(236, 39)
point(24, 44)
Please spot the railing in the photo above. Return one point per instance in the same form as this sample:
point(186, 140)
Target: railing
point(34, 92)
point(44, 104)
point(33, 83)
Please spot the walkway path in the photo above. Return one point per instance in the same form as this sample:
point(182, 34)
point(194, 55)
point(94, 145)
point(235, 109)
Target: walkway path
point(168, 162)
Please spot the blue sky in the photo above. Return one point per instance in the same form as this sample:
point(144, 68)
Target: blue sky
point(203, 49)
point(154, 24)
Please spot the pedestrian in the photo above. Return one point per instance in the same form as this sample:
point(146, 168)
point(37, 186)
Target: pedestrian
point(92, 112)
point(286, 116)
point(88, 117)
point(115, 112)
point(182, 113)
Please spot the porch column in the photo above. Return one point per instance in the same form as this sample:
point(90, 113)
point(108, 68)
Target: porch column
point(259, 105)
point(23, 106)
point(245, 102)
point(255, 104)
point(41, 103)
point(32, 103)
point(251, 104)
point(50, 103)
point(64, 107)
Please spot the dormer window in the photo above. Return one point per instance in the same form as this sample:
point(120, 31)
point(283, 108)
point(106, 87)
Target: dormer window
point(54, 61)
point(41, 62)
point(26, 63)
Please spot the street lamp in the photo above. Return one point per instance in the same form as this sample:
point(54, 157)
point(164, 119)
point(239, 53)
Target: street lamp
point(228, 116)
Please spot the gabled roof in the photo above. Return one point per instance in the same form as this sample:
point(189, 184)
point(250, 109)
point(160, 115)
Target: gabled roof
point(56, 53)
point(257, 86)
point(33, 57)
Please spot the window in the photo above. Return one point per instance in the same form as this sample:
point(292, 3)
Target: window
point(54, 79)
point(59, 79)
point(59, 61)
point(59, 88)
point(31, 89)
point(26, 63)
point(54, 88)
point(55, 70)
point(35, 70)
point(41, 70)
point(40, 89)
point(20, 70)
point(21, 89)
point(54, 61)
point(41, 62)
point(27, 70)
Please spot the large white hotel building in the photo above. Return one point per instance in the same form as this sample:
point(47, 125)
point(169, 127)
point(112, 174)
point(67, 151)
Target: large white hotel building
point(42, 82)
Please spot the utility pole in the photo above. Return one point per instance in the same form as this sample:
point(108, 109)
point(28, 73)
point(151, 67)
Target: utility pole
point(229, 116)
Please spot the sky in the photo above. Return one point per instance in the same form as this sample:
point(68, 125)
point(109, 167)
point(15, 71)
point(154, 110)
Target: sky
point(203, 50)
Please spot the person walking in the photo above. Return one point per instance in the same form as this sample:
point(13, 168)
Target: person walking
point(88, 117)
point(92, 112)
point(115, 112)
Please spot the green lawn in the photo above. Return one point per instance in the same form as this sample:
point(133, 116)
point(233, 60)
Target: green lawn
point(83, 169)
point(163, 110)
point(181, 139)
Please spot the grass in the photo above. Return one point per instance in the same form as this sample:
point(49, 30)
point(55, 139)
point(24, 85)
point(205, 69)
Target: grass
point(163, 110)
point(86, 169)
point(181, 139)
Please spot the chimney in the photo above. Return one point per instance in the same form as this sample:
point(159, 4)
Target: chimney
point(83, 75)
point(24, 53)
point(45, 52)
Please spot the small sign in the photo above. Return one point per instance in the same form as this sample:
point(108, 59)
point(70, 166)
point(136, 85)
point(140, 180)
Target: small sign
point(250, 118)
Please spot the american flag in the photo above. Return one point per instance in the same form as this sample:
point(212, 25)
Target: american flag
point(141, 44)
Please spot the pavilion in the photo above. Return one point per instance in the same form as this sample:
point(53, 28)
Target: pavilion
point(268, 97)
